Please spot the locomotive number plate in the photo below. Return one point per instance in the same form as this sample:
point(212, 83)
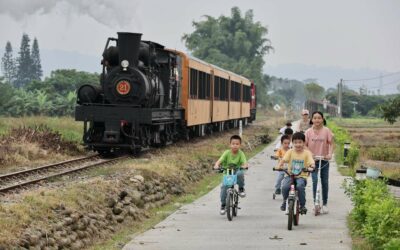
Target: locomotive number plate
point(123, 87)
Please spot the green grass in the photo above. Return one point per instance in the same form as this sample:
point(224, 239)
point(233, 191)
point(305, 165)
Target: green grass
point(66, 126)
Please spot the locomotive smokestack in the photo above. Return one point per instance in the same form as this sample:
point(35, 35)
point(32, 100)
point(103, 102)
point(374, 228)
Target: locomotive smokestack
point(128, 47)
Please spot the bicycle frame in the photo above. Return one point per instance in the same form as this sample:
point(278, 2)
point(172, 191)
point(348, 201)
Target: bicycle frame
point(232, 196)
point(292, 203)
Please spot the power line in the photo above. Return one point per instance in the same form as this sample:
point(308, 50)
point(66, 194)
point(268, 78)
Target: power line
point(372, 78)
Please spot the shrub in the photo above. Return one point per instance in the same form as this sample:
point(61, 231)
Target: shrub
point(376, 213)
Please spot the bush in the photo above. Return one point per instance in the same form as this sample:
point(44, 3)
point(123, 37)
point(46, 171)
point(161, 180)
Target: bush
point(341, 136)
point(393, 244)
point(376, 213)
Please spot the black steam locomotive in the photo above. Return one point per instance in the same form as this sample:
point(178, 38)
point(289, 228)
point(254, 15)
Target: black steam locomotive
point(152, 96)
point(137, 102)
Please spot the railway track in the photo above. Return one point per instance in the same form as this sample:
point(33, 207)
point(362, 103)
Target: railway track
point(22, 179)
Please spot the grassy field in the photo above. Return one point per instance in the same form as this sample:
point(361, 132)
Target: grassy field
point(66, 126)
point(378, 143)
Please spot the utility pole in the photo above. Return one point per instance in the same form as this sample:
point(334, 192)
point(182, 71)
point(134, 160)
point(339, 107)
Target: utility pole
point(339, 103)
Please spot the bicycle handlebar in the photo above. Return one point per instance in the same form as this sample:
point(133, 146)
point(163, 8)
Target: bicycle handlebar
point(286, 171)
point(274, 157)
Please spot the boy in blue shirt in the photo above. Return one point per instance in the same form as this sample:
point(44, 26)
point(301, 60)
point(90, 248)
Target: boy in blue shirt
point(236, 157)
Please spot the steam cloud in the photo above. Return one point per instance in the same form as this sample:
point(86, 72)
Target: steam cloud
point(107, 12)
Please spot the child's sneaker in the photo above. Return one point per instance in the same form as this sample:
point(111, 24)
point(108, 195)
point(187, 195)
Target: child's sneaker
point(242, 193)
point(303, 210)
point(278, 191)
point(283, 206)
point(325, 209)
point(222, 211)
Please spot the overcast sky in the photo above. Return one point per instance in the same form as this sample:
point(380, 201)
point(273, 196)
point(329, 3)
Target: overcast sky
point(350, 34)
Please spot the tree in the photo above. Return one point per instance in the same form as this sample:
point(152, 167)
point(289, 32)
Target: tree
point(36, 69)
point(24, 75)
point(8, 64)
point(235, 43)
point(314, 91)
point(391, 110)
point(6, 93)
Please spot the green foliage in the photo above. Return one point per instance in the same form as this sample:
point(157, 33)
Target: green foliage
point(53, 96)
point(36, 67)
point(314, 91)
point(376, 213)
point(391, 110)
point(24, 63)
point(393, 244)
point(365, 104)
point(288, 92)
point(236, 43)
point(341, 136)
point(8, 65)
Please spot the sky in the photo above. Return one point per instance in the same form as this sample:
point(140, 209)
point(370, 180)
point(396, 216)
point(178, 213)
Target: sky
point(356, 35)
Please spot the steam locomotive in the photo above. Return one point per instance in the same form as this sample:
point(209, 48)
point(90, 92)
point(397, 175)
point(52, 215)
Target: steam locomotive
point(152, 96)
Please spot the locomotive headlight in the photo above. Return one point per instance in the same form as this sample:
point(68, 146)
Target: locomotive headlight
point(124, 64)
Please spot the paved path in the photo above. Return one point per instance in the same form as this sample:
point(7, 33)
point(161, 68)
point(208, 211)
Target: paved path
point(259, 225)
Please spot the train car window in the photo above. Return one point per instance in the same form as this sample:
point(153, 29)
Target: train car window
point(208, 86)
point(238, 91)
point(216, 88)
point(226, 90)
point(222, 93)
point(193, 83)
point(247, 96)
point(233, 84)
point(201, 85)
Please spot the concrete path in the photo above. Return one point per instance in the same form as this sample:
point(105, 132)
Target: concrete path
point(260, 223)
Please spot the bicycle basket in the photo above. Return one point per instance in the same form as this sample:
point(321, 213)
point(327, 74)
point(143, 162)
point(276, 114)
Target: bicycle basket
point(229, 179)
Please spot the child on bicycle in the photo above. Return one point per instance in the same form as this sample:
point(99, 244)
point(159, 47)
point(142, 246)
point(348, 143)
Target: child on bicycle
point(288, 132)
point(297, 158)
point(233, 156)
point(285, 146)
point(319, 140)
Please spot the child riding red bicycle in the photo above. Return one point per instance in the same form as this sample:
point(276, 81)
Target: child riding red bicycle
point(297, 158)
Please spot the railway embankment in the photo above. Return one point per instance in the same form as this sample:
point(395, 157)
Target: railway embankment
point(90, 208)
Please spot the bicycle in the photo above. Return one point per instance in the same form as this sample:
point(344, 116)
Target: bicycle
point(293, 202)
point(232, 194)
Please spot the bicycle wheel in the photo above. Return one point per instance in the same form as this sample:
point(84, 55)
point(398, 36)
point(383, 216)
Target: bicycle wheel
point(296, 217)
point(290, 215)
point(229, 204)
point(235, 204)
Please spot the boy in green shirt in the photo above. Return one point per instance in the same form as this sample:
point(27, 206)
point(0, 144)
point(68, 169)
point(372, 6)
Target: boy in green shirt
point(233, 156)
